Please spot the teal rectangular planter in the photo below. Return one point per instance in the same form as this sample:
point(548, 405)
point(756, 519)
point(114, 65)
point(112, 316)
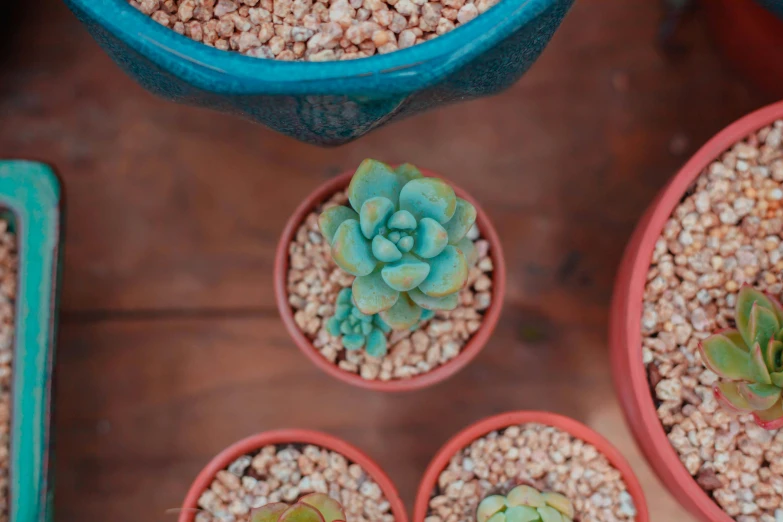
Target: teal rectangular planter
point(328, 103)
point(30, 200)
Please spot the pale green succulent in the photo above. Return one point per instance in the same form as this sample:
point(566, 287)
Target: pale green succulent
point(525, 504)
point(356, 329)
point(404, 240)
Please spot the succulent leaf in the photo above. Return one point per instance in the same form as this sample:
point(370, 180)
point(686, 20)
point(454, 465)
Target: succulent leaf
point(402, 220)
point(429, 197)
point(301, 513)
point(374, 214)
point(407, 172)
point(746, 298)
point(448, 273)
point(727, 393)
point(771, 419)
point(468, 248)
point(384, 250)
point(522, 514)
point(459, 224)
point(344, 297)
point(376, 345)
point(331, 219)
point(431, 238)
point(763, 325)
point(404, 314)
point(373, 179)
point(405, 274)
point(354, 341)
point(268, 513)
point(736, 337)
point(759, 396)
point(758, 367)
point(525, 496)
point(445, 303)
point(372, 295)
point(560, 503)
point(333, 326)
point(351, 251)
point(774, 355)
point(329, 508)
point(498, 517)
point(550, 514)
point(405, 244)
point(777, 379)
point(380, 324)
point(725, 358)
point(489, 506)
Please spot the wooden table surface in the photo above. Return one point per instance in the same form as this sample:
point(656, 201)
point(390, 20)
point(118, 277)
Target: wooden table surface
point(170, 343)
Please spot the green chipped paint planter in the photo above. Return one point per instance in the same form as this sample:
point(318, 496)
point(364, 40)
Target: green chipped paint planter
point(335, 102)
point(30, 200)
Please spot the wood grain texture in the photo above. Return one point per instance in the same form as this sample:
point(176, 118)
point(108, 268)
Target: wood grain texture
point(170, 344)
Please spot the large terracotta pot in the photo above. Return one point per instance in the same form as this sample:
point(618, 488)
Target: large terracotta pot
point(504, 420)
point(442, 372)
point(630, 376)
point(315, 438)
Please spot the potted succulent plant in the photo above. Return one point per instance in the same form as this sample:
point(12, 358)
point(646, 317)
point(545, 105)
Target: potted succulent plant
point(695, 326)
point(527, 467)
point(396, 291)
point(292, 476)
point(29, 263)
point(323, 103)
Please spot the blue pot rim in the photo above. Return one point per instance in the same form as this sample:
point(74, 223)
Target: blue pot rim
point(233, 73)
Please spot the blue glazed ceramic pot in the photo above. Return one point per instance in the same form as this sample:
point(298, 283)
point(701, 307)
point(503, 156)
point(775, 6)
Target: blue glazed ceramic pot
point(334, 102)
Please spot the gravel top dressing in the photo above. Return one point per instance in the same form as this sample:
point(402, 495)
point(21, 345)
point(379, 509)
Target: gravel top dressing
point(9, 264)
point(308, 30)
point(725, 233)
point(544, 457)
point(283, 473)
point(314, 281)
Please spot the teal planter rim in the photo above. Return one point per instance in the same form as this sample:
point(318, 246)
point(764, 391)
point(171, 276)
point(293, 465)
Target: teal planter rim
point(30, 192)
point(229, 72)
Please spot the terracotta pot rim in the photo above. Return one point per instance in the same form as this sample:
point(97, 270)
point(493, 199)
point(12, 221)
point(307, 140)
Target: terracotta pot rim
point(513, 418)
point(291, 436)
point(471, 349)
point(629, 375)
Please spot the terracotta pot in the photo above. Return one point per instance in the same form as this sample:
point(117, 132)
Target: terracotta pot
point(751, 38)
point(630, 377)
point(315, 438)
point(504, 420)
point(442, 372)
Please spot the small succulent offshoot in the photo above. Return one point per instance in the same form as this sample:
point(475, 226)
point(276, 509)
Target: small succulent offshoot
point(356, 329)
point(525, 504)
point(315, 507)
point(749, 360)
point(404, 240)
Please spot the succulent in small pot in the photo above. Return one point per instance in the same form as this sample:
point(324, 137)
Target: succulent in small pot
point(750, 359)
point(529, 466)
point(389, 278)
point(404, 241)
point(525, 504)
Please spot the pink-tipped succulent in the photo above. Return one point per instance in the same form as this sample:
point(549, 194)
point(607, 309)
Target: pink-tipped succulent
point(750, 359)
point(315, 507)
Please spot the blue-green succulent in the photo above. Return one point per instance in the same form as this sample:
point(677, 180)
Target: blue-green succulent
point(405, 241)
point(356, 329)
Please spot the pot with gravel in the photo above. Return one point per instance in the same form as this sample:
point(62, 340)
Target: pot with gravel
point(29, 270)
point(324, 72)
point(529, 466)
point(695, 326)
point(255, 479)
point(397, 291)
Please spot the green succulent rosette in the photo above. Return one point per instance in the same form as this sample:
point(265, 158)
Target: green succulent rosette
point(404, 238)
point(749, 360)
